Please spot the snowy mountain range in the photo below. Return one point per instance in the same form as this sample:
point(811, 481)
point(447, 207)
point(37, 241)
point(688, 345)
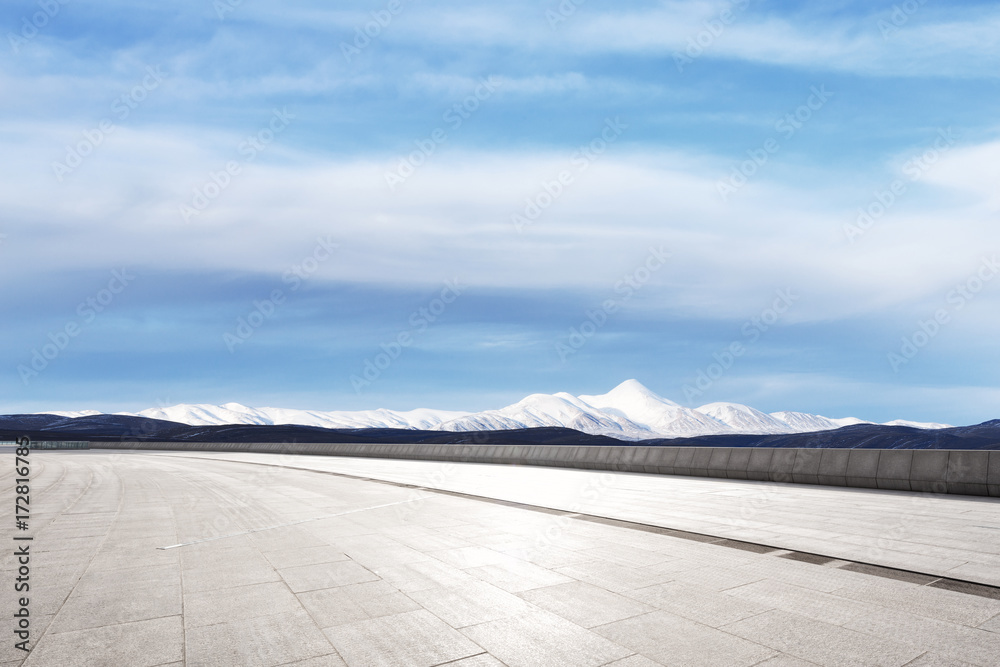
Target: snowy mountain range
point(630, 411)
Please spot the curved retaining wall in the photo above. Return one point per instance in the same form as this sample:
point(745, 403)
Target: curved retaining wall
point(968, 472)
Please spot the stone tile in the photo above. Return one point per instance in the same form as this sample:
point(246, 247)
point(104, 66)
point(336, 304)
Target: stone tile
point(304, 556)
point(91, 611)
point(336, 527)
point(416, 638)
point(426, 539)
point(677, 566)
point(470, 531)
point(571, 540)
point(585, 604)
point(260, 641)
point(993, 625)
point(936, 660)
point(141, 644)
point(469, 557)
point(325, 575)
point(481, 660)
point(238, 604)
point(978, 572)
point(328, 660)
point(924, 634)
point(785, 661)
point(76, 545)
point(127, 580)
point(698, 604)
point(625, 555)
point(228, 576)
point(672, 640)
point(374, 551)
point(614, 577)
point(515, 576)
point(215, 552)
point(819, 606)
point(634, 661)
point(470, 604)
point(345, 604)
point(281, 540)
point(718, 578)
point(924, 600)
point(130, 557)
point(820, 642)
point(423, 575)
point(540, 638)
point(548, 556)
point(804, 575)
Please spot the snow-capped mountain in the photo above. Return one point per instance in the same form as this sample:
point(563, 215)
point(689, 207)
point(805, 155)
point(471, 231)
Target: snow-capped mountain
point(234, 413)
point(906, 422)
point(630, 411)
point(560, 409)
point(744, 419)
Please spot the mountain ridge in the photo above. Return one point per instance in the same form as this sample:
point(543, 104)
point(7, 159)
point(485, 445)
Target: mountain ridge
point(630, 411)
point(118, 428)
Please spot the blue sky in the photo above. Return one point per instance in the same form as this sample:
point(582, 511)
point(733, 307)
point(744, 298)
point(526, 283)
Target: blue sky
point(252, 201)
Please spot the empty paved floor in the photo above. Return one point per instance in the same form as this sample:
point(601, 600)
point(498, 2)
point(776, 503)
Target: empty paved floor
point(281, 567)
point(944, 535)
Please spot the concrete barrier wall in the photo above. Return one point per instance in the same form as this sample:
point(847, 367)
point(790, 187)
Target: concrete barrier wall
point(59, 444)
point(964, 472)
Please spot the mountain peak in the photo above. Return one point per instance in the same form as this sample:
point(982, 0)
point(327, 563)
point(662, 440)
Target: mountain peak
point(632, 389)
point(631, 386)
point(630, 398)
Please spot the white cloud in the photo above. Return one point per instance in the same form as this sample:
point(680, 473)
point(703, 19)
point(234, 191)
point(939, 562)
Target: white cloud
point(957, 43)
point(974, 171)
point(454, 217)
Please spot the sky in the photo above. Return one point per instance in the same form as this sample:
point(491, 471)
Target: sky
point(448, 204)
